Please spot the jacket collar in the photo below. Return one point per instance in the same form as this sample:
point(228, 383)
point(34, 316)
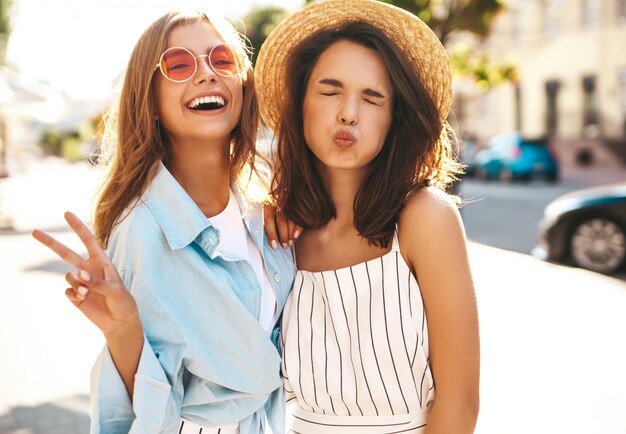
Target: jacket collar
point(181, 220)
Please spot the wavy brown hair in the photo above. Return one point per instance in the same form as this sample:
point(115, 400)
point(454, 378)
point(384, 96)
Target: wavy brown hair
point(417, 151)
point(138, 141)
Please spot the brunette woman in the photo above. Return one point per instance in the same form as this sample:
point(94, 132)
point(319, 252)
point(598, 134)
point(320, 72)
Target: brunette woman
point(380, 332)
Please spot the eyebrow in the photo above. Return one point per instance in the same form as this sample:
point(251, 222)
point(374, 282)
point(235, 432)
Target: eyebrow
point(336, 83)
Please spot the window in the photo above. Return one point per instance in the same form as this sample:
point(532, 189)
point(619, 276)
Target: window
point(621, 9)
point(552, 113)
point(518, 106)
point(621, 79)
point(553, 12)
point(517, 27)
point(590, 106)
point(589, 12)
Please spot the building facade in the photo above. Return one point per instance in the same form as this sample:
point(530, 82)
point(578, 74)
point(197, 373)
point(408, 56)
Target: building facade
point(571, 56)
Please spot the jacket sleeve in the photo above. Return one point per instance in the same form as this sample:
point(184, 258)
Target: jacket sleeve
point(156, 403)
point(153, 404)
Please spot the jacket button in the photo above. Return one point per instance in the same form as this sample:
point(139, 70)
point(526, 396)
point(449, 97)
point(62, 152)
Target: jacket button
point(277, 278)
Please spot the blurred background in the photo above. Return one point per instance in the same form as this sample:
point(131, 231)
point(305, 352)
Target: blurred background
point(540, 110)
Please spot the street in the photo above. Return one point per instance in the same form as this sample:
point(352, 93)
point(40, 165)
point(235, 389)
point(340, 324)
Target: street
point(552, 337)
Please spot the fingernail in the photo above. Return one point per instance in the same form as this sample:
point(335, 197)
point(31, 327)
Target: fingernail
point(296, 234)
point(290, 243)
point(85, 276)
point(285, 245)
point(82, 290)
point(274, 244)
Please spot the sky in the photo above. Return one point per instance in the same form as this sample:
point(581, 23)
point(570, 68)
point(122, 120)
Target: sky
point(81, 46)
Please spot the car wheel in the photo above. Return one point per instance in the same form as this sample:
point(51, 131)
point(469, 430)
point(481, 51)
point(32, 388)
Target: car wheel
point(598, 244)
point(552, 177)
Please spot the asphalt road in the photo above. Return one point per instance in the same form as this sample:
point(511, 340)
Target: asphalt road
point(506, 215)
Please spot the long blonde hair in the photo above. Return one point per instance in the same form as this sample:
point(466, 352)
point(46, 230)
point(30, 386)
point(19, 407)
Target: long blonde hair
point(137, 142)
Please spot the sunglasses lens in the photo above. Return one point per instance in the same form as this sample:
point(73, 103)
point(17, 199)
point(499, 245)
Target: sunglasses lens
point(225, 60)
point(178, 64)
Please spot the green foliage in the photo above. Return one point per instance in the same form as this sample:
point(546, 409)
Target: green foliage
point(447, 16)
point(5, 22)
point(67, 144)
point(5, 27)
point(51, 142)
point(259, 22)
point(479, 65)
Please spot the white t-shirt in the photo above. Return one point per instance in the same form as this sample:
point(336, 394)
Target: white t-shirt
point(235, 241)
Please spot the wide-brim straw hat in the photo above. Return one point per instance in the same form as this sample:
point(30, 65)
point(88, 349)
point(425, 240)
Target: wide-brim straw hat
point(420, 45)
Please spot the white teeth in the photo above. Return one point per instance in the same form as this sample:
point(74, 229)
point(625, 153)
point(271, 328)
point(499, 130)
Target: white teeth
point(206, 100)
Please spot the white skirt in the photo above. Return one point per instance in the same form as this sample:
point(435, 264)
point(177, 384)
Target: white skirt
point(188, 427)
point(304, 422)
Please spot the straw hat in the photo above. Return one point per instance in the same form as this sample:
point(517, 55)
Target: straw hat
point(413, 37)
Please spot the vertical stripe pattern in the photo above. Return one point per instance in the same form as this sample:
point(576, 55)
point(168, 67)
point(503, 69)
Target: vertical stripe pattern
point(356, 341)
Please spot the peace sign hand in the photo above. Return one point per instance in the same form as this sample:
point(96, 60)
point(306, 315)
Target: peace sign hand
point(96, 289)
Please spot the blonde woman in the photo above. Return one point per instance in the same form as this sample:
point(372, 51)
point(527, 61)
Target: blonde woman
point(189, 344)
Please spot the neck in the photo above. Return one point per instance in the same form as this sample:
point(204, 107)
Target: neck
point(342, 186)
point(203, 170)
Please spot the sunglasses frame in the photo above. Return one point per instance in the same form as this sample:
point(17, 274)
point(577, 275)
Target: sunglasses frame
point(195, 59)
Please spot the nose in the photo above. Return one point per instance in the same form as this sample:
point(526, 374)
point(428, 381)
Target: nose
point(349, 112)
point(204, 73)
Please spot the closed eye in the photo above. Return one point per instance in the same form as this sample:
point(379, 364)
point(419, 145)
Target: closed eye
point(376, 103)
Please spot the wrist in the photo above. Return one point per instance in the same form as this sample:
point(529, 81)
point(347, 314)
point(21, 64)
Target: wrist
point(128, 330)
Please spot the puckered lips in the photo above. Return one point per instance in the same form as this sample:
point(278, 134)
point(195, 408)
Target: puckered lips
point(344, 138)
point(212, 102)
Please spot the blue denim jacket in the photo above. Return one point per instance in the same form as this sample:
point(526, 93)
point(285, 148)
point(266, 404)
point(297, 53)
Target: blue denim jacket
point(205, 355)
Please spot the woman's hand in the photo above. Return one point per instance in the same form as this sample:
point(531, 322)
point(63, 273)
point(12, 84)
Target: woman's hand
point(276, 223)
point(96, 288)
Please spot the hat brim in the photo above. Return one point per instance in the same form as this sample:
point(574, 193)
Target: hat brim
point(421, 46)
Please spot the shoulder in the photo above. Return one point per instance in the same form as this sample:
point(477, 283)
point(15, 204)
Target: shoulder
point(135, 230)
point(430, 223)
point(427, 209)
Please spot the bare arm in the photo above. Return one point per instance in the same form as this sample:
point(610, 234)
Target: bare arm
point(432, 239)
point(99, 293)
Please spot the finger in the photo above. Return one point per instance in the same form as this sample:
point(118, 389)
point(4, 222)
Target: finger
point(297, 231)
point(85, 235)
point(110, 284)
point(283, 230)
point(111, 274)
point(72, 296)
point(290, 230)
point(270, 225)
point(80, 290)
point(64, 252)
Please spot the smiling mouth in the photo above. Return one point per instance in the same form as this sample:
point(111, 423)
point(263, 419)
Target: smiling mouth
point(207, 103)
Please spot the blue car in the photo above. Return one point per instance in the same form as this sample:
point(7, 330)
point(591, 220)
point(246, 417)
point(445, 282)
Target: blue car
point(513, 157)
point(586, 228)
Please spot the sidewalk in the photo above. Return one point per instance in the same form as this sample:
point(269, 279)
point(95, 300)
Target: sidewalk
point(598, 174)
point(39, 194)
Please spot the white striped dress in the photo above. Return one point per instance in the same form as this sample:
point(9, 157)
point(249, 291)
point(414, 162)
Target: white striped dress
point(355, 350)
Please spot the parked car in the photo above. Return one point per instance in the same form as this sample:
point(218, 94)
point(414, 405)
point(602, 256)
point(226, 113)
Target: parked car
point(586, 228)
point(467, 156)
point(512, 156)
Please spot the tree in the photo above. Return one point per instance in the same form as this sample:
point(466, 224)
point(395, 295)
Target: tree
point(447, 16)
point(5, 28)
point(259, 22)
